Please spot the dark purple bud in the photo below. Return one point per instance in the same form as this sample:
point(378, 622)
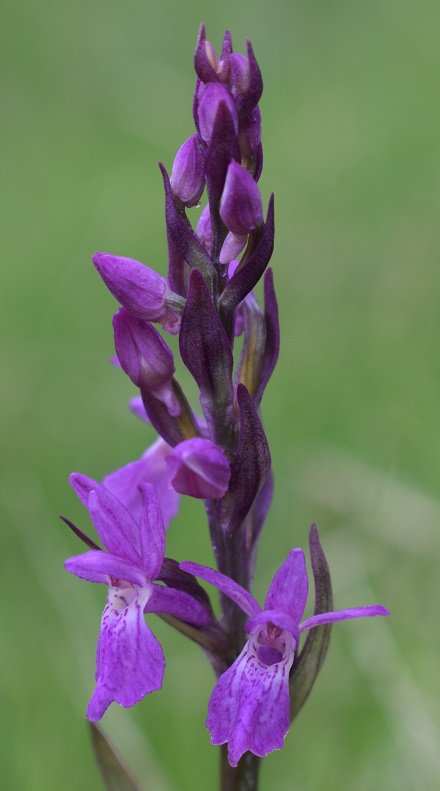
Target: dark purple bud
point(139, 289)
point(223, 148)
point(145, 358)
point(205, 59)
point(188, 174)
point(232, 247)
point(241, 208)
point(240, 74)
point(206, 352)
point(199, 468)
point(204, 228)
point(209, 102)
point(250, 98)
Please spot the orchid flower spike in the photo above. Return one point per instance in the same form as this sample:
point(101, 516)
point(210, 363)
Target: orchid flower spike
point(250, 705)
point(129, 661)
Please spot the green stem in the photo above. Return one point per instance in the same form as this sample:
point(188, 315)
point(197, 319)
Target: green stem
point(243, 777)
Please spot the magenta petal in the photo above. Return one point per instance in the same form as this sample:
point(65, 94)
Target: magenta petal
point(151, 532)
point(344, 615)
point(98, 566)
point(115, 526)
point(289, 587)
point(150, 468)
point(250, 705)
point(177, 603)
point(129, 660)
point(232, 589)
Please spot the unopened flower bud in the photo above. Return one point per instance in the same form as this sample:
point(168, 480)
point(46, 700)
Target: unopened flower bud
point(145, 358)
point(239, 77)
point(232, 247)
point(209, 101)
point(204, 228)
point(139, 289)
point(199, 468)
point(188, 174)
point(240, 208)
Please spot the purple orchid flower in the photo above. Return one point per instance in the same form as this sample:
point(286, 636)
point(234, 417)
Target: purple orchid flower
point(129, 662)
point(250, 705)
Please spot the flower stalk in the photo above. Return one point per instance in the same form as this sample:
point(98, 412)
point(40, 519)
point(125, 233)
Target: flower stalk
point(219, 455)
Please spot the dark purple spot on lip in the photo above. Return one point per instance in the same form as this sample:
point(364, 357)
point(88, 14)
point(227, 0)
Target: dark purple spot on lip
point(268, 656)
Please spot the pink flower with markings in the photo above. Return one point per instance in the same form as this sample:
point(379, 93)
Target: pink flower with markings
point(129, 661)
point(250, 705)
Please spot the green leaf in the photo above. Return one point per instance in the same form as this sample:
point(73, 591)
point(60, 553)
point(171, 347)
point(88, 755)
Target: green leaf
point(309, 662)
point(115, 775)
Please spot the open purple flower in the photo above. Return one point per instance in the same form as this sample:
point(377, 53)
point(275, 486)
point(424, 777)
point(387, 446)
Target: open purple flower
point(250, 705)
point(129, 660)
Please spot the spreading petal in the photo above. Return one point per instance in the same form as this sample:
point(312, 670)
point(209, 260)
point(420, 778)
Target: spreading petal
point(129, 660)
point(289, 587)
point(151, 532)
point(250, 705)
point(116, 528)
point(178, 603)
point(344, 615)
point(150, 468)
point(99, 566)
point(232, 589)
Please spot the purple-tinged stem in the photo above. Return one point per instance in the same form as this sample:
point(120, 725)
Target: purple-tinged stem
point(243, 777)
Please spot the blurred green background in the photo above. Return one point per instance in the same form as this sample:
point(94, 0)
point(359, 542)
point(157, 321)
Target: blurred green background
point(93, 94)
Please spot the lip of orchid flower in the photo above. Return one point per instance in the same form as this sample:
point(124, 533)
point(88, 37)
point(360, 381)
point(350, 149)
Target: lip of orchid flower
point(249, 707)
point(188, 172)
point(129, 662)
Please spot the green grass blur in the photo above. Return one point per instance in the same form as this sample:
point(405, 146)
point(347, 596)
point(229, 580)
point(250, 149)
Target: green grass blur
point(93, 94)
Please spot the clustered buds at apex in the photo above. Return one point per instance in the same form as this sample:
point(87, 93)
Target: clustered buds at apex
point(188, 174)
point(199, 468)
point(145, 358)
point(241, 208)
point(139, 289)
point(210, 98)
